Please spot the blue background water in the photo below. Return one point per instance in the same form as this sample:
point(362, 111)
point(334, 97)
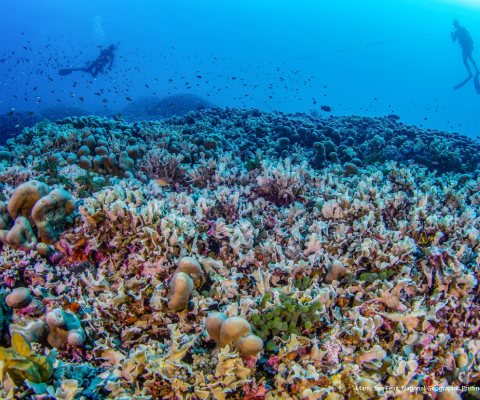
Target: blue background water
point(251, 41)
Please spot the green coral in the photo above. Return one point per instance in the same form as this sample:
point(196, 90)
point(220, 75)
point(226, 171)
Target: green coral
point(21, 363)
point(91, 185)
point(374, 157)
point(372, 277)
point(250, 165)
point(286, 319)
point(53, 176)
point(302, 284)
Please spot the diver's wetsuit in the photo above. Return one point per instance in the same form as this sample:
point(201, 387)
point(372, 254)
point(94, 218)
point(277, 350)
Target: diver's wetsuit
point(106, 56)
point(466, 42)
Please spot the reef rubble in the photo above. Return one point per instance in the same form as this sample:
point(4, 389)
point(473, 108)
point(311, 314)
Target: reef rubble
point(238, 254)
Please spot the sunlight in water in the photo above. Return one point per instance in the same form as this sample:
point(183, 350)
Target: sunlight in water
point(468, 3)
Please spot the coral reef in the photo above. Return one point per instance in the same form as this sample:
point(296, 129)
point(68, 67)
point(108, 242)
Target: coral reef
point(206, 256)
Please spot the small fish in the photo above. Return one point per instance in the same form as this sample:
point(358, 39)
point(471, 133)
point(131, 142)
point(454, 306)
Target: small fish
point(31, 113)
point(147, 86)
point(129, 99)
point(379, 239)
point(16, 126)
point(326, 108)
point(172, 105)
point(10, 113)
point(198, 76)
point(35, 88)
point(105, 100)
point(162, 182)
point(81, 98)
point(435, 162)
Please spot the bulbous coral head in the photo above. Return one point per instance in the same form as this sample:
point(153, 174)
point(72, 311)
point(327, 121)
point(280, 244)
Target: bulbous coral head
point(350, 168)
point(44, 249)
point(250, 345)
point(233, 329)
point(234, 332)
point(192, 268)
point(448, 395)
point(213, 324)
point(64, 327)
point(21, 235)
point(125, 162)
point(24, 198)
point(19, 298)
point(49, 214)
point(34, 332)
point(180, 289)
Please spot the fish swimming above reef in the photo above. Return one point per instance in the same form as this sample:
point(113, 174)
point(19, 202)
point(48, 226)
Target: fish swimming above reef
point(326, 108)
point(393, 116)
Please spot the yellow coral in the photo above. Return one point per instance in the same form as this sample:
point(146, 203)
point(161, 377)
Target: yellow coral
point(21, 363)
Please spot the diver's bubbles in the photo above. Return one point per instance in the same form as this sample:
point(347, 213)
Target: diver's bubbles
point(98, 27)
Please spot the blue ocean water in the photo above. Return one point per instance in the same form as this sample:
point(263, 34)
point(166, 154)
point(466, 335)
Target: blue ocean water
point(290, 56)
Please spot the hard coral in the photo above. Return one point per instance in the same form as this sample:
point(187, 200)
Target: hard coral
point(191, 267)
point(187, 275)
point(21, 363)
point(234, 332)
point(24, 198)
point(64, 327)
point(21, 235)
point(180, 289)
point(19, 298)
point(49, 214)
point(34, 332)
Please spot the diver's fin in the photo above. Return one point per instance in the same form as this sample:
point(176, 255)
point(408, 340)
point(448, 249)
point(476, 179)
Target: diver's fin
point(65, 71)
point(476, 83)
point(68, 71)
point(463, 83)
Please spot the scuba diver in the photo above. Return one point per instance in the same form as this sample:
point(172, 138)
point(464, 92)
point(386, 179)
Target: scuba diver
point(466, 42)
point(98, 66)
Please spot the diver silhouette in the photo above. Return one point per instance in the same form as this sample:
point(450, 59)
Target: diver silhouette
point(98, 66)
point(466, 42)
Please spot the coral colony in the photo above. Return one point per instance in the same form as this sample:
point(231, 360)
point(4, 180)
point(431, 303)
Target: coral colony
point(239, 254)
